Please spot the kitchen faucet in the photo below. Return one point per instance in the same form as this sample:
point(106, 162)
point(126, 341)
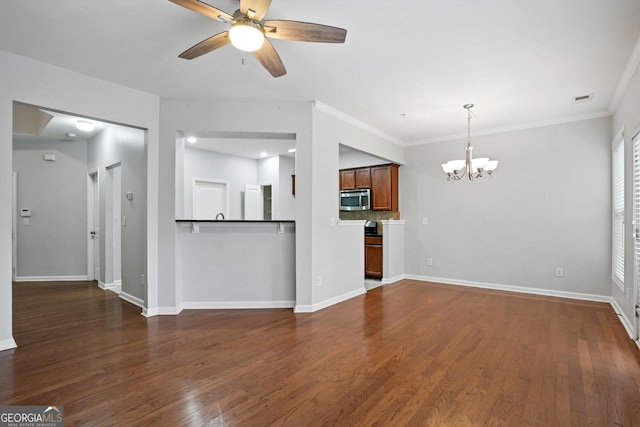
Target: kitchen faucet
point(220, 214)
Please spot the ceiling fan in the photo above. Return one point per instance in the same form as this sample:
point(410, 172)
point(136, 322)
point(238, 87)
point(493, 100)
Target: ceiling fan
point(250, 33)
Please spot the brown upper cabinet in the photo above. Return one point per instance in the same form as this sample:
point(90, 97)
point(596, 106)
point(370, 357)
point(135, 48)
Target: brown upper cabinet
point(382, 180)
point(384, 189)
point(353, 179)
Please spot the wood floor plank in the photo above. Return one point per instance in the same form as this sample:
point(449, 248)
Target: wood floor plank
point(411, 353)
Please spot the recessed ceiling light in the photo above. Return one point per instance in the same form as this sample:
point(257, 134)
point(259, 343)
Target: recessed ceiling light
point(192, 139)
point(292, 150)
point(263, 154)
point(85, 125)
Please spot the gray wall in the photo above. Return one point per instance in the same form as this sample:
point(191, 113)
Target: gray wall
point(54, 244)
point(265, 278)
point(547, 206)
point(118, 144)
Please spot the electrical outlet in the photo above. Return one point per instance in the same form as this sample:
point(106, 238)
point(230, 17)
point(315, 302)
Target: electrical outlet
point(425, 220)
point(559, 272)
point(319, 280)
point(429, 261)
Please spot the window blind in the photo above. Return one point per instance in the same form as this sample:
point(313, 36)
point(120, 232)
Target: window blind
point(636, 203)
point(618, 212)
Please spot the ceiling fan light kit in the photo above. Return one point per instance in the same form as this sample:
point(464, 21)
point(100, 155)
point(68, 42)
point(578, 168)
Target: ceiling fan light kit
point(246, 35)
point(249, 32)
point(469, 167)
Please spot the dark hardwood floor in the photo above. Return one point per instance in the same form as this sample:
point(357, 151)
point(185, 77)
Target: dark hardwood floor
point(410, 353)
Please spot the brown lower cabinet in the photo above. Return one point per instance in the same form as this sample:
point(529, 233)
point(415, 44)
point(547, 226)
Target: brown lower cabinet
point(373, 257)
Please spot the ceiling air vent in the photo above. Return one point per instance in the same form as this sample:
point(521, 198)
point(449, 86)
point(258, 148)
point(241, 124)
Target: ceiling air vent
point(582, 98)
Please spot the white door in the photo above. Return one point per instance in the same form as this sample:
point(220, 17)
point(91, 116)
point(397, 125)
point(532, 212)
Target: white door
point(209, 200)
point(253, 203)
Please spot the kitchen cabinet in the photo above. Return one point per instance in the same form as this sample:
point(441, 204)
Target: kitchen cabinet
point(348, 179)
point(355, 179)
point(384, 187)
point(373, 257)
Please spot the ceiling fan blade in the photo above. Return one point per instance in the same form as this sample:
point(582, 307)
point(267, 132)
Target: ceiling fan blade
point(206, 46)
point(259, 7)
point(304, 31)
point(270, 59)
point(204, 9)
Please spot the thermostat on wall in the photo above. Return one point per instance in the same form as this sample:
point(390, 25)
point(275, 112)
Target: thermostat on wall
point(25, 212)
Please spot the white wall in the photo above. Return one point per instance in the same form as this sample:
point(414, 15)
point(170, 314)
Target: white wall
point(237, 171)
point(124, 146)
point(627, 119)
point(36, 83)
point(547, 206)
point(337, 261)
point(233, 115)
point(54, 244)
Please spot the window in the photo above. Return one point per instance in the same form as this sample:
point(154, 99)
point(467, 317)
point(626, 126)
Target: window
point(617, 266)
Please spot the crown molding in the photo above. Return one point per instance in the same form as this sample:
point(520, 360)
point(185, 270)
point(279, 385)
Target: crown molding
point(357, 123)
point(630, 69)
point(521, 126)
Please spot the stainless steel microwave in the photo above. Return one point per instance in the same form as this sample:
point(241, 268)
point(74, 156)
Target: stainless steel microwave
point(355, 200)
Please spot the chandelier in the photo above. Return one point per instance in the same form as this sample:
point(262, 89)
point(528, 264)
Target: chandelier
point(470, 167)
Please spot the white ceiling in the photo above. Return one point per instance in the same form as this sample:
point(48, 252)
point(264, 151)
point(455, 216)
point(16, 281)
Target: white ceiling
point(519, 62)
point(244, 144)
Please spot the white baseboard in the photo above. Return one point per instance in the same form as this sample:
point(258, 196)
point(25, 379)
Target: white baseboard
point(8, 344)
point(628, 326)
point(167, 311)
point(216, 305)
point(388, 280)
point(329, 302)
point(510, 288)
point(51, 278)
point(133, 300)
point(115, 287)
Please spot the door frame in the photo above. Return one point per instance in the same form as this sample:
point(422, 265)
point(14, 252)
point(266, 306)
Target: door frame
point(194, 186)
point(112, 228)
point(93, 209)
point(14, 225)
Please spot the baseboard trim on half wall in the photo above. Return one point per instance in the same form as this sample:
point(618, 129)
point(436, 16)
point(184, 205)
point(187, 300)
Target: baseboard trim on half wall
point(51, 278)
point(328, 302)
point(133, 300)
point(8, 344)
